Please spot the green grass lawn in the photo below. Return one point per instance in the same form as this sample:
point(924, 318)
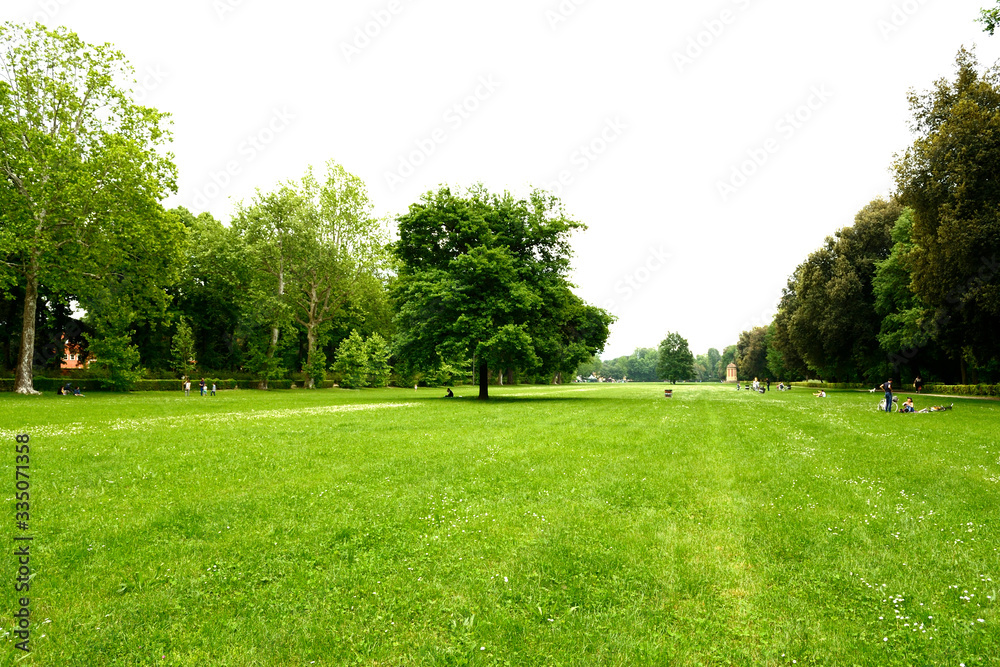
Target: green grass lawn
point(576, 525)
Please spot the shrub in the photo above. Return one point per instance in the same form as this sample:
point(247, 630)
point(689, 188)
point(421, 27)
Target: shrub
point(378, 353)
point(352, 362)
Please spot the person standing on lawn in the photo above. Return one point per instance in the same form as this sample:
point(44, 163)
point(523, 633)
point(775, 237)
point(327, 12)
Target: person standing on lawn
point(887, 387)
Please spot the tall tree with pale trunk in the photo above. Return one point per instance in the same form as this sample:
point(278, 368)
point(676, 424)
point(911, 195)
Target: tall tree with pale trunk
point(315, 242)
point(80, 170)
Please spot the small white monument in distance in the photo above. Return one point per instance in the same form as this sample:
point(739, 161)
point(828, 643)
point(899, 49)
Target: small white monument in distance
point(731, 373)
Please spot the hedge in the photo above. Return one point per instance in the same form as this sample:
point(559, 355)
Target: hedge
point(53, 384)
point(963, 389)
point(177, 385)
point(173, 384)
point(816, 384)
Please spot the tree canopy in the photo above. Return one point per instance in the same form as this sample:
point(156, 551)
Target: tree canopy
point(949, 179)
point(82, 178)
point(312, 244)
point(827, 315)
point(676, 362)
point(483, 279)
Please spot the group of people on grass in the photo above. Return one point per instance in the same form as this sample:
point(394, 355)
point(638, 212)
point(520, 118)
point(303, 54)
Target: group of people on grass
point(757, 386)
point(202, 386)
point(69, 390)
point(907, 405)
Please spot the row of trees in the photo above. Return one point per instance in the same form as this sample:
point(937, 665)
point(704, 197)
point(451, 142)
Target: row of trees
point(303, 275)
point(672, 361)
point(912, 288)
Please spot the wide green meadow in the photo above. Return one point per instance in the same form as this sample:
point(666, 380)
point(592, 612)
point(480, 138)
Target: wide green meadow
point(574, 525)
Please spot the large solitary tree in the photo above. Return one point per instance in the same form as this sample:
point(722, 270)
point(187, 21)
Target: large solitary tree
point(80, 173)
point(484, 277)
point(675, 361)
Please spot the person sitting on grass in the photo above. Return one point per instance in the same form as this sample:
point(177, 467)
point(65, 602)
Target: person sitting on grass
point(450, 394)
point(820, 394)
point(907, 405)
point(76, 392)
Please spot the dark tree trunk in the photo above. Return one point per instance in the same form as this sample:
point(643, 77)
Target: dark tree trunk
point(484, 382)
point(24, 383)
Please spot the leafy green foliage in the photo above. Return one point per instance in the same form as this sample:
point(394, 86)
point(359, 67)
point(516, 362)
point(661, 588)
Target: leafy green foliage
point(316, 368)
point(316, 245)
point(82, 176)
point(776, 366)
point(827, 319)
point(706, 366)
point(112, 348)
point(213, 293)
point(948, 178)
point(377, 353)
point(351, 363)
point(675, 361)
point(990, 18)
point(640, 366)
point(183, 349)
point(483, 276)
point(751, 354)
point(728, 356)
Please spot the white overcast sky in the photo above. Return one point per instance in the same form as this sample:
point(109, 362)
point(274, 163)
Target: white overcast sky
point(644, 108)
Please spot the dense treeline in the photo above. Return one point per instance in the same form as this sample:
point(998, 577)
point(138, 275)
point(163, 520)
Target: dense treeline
point(672, 361)
point(303, 280)
point(912, 288)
